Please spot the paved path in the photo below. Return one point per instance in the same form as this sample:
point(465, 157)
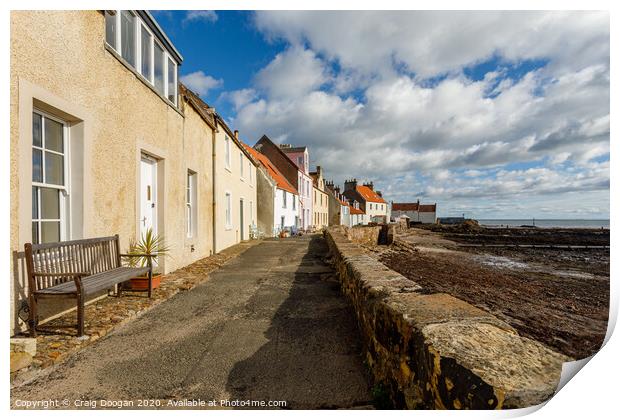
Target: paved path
point(269, 325)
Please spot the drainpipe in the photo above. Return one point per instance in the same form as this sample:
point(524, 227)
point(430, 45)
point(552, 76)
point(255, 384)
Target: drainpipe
point(214, 191)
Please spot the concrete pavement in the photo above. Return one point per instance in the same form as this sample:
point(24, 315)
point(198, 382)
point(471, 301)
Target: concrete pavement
point(270, 325)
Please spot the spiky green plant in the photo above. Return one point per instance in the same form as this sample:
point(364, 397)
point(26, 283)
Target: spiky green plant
point(149, 244)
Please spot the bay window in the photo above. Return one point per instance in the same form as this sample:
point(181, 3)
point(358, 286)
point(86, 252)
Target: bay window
point(142, 49)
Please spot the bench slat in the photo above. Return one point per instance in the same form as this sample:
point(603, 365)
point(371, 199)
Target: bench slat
point(98, 282)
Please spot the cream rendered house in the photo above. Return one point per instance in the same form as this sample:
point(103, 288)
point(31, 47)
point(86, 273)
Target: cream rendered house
point(320, 200)
point(101, 141)
point(235, 188)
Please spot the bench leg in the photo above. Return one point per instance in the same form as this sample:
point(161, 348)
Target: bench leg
point(119, 290)
point(80, 314)
point(32, 318)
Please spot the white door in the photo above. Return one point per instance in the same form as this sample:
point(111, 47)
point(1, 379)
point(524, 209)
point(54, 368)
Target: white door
point(148, 195)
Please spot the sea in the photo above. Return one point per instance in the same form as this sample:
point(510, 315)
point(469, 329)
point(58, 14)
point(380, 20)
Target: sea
point(547, 223)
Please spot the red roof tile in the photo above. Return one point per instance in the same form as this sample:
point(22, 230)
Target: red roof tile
point(356, 211)
point(369, 195)
point(405, 206)
point(277, 176)
point(428, 208)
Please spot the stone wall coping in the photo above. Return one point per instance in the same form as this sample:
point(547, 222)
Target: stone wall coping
point(435, 350)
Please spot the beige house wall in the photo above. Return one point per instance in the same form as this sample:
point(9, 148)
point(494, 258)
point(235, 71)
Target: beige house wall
point(320, 208)
point(60, 64)
point(228, 179)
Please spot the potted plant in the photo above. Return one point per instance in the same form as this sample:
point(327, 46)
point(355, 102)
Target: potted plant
point(149, 247)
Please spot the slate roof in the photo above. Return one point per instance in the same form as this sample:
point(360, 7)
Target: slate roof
point(277, 176)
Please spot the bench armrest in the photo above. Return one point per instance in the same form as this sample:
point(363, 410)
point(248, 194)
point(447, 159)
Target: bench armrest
point(67, 274)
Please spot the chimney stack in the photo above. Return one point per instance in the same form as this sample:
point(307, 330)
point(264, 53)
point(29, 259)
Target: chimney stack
point(369, 185)
point(236, 134)
point(350, 185)
point(379, 194)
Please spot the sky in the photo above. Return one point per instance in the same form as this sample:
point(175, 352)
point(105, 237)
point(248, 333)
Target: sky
point(491, 114)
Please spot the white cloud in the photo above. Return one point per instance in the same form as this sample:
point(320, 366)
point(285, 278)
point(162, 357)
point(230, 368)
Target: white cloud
point(291, 73)
point(200, 15)
point(433, 42)
point(504, 143)
point(200, 82)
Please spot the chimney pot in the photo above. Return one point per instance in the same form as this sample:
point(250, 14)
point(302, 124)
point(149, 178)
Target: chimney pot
point(237, 134)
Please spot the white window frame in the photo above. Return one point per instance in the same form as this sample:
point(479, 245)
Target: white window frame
point(228, 210)
point(241, 166)
point(227, 151)
point(250, 171)
point(138, 28)
point(63, 190)
point(190, 203)
point(142, 27)
point(283, 199)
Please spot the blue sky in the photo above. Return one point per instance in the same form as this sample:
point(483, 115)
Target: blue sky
point(506, 117)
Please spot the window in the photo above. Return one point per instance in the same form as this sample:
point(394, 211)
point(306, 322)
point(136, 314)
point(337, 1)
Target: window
point(283, 199)
point(241, 163)
point(228, 210)
point(294, 202)
point(227, 150)
point(146, 48)
point(250, 171)
point(282, 222)
point(158, 65)
point(300, 161)
point(190, 202)
point(128, 37)
point(172, 81)
point(251, 213)
point(110, 29)
point(49, 191)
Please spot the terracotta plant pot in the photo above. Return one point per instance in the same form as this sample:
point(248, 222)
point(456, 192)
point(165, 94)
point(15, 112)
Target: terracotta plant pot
point(142, 282)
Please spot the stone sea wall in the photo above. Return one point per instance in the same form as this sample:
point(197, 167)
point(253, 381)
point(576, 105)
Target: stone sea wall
point(433, 350)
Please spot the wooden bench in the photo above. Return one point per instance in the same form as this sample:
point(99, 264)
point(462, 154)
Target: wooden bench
point(77, 269)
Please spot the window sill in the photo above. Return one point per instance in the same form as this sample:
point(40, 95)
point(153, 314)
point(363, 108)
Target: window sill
point(228, 169)
point(144, 81)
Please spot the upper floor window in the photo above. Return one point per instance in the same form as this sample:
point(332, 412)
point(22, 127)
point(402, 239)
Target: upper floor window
point(300, 161)
point(241, 163)
point(283, 199)
point(227, 150)
point(138, 46)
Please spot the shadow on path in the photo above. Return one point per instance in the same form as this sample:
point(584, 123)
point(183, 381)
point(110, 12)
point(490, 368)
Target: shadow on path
point(313, 355)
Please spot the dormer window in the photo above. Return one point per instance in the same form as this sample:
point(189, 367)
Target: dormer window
point(142, 46)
